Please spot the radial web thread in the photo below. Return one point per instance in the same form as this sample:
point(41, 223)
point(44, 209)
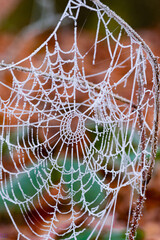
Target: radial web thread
point(77, 127)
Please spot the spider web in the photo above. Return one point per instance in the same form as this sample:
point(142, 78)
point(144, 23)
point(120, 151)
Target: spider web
point(76, 128)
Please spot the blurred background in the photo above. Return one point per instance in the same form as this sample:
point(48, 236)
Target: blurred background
point(25, 24)
point(25, 19)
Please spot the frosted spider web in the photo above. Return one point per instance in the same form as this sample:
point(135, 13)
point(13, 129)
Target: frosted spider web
point(77, 126)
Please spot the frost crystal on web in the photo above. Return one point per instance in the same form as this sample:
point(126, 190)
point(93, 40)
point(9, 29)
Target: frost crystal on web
point(78, 129)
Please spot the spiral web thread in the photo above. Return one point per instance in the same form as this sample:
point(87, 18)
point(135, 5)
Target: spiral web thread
point(77, 123)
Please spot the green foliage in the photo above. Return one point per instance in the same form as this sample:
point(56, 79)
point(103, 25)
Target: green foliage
point(115, 235)
point(83, 179)
point(19, 18)
point(26, 181)
point(82, 184)
point(158, 155)
point(144, 13)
